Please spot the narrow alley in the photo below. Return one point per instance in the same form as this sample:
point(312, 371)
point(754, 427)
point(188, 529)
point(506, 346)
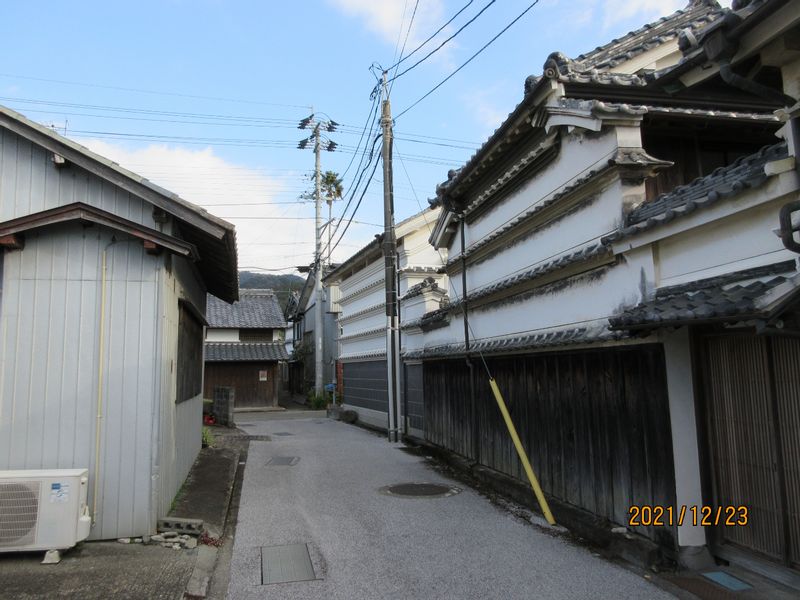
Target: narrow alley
point(366, 544)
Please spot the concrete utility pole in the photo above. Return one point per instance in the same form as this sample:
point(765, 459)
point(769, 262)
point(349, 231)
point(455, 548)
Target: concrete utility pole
point(318, 293)
point(319, 296)
point(390, 257)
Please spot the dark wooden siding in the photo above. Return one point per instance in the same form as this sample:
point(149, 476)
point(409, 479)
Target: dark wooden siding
point(595, 424)
point(244, 378)
point(365, 385)
point(190, 355)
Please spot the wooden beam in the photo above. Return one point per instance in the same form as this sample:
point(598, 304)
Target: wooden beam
point(12, 242)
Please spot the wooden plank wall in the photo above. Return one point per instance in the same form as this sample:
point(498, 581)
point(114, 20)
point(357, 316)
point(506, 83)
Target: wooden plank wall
point(595, 424)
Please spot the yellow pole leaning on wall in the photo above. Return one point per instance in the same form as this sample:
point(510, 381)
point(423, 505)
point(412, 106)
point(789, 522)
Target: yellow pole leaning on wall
point(100, 364)
point(521, 452)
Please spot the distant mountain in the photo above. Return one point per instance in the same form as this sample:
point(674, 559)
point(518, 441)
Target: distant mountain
point(282, 285)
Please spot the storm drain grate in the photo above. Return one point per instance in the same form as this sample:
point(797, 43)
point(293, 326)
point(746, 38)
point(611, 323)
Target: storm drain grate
point(252, 438)
point(282, 433)
point(283, 564)
point(420, 490)
point(283, 461)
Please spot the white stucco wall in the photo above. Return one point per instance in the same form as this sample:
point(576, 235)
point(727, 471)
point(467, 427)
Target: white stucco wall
point(222, 335)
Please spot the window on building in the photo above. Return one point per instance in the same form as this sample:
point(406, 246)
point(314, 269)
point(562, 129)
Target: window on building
point(698, 148)
point(255, 335)
point(190, 354)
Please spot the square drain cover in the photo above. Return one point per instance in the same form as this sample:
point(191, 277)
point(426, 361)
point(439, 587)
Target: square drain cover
point(283, 461)
point(727, 581)
point(282, 564)
point(282, 433)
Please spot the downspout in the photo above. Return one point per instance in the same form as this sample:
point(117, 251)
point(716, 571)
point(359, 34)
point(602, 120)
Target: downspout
point(100, 364)
point(470, 365)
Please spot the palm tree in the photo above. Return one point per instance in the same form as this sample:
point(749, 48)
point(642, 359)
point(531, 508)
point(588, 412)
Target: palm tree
point(332, 190)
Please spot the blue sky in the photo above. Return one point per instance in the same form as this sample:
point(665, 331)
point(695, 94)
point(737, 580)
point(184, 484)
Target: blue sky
point(232, 77)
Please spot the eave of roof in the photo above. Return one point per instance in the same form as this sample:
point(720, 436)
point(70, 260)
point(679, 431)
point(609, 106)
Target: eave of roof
point(78, 211)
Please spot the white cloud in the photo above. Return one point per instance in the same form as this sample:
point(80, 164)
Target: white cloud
point(388, 18)
point(205, 179)
point(487, 111)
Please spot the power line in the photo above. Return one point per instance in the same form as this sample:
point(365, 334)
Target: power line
point(440, 46)
point(141, 91)
point(228, 120)
point(489, 43)
point(405, 41)
point(435, 33)
point(354, 189)
point(355, 210)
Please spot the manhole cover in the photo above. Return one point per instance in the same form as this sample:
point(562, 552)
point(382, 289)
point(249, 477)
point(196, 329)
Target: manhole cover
point(420, 490)
point(283, 461)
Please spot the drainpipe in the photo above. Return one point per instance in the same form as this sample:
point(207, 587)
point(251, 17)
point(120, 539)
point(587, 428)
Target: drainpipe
point(100, 364)
point(472, 400)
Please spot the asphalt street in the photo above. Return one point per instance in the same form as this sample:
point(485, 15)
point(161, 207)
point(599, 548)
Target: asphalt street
point(365, 544)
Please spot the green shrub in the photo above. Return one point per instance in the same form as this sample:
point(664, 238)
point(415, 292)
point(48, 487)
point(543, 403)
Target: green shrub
point(208, 437)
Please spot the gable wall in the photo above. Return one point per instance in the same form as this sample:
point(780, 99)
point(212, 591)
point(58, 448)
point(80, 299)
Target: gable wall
point(31, 183)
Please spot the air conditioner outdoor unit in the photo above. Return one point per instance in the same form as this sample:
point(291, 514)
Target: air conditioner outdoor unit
point(43, 510)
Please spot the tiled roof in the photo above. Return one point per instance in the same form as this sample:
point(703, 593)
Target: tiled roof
point(419, 289)
point(585, 70)
point(694, 17)
point(584, 254)
point(245, 351)
point(564, 337)
point(605, 107)
point(733, 297)
point(255, 308)
point(745, 172)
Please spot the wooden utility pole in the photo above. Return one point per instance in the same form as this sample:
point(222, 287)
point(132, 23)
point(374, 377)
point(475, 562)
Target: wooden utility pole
point(390, 259)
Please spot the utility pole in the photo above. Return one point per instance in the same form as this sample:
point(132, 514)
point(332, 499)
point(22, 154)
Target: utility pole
point(390, 255)
point(318, 294)
point(319, 334)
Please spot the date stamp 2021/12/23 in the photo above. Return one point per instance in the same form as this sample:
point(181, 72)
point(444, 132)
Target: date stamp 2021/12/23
point(668, 516)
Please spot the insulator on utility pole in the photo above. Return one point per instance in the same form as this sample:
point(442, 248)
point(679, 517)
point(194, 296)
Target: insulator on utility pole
point(390, 276)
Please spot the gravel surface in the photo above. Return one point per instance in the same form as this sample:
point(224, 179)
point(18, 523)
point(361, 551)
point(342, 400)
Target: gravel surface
point(365, 544)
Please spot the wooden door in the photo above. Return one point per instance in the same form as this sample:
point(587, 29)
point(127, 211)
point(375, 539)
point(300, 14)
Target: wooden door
point(752, 389)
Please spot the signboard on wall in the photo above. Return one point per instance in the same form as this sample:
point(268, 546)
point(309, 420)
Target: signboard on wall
point(262, 376)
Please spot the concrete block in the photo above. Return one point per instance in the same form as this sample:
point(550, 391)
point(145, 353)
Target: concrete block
point(181, 525)
point(124, 540)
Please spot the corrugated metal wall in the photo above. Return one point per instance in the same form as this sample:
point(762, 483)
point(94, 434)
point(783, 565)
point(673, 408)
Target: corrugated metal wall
point(595, 424)
point(30, 183)
point(180, 428)
point(49, 314)
point(365, 385)
point(49, 365)
point(413, 396)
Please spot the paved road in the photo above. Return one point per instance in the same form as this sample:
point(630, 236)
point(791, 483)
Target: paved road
point(364, 544)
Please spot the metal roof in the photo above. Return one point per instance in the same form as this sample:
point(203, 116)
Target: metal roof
point(254, 309)
point(245, 351)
